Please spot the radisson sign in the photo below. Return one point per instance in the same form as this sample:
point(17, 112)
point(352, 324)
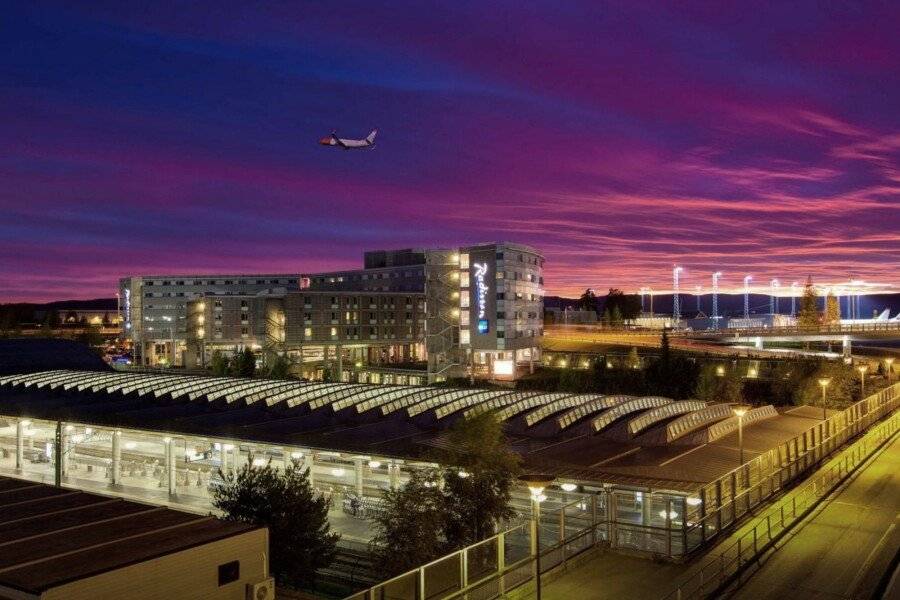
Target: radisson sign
point(481, 291)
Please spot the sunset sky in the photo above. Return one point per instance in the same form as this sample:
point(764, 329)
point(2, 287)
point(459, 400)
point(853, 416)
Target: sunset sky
point(617, 137)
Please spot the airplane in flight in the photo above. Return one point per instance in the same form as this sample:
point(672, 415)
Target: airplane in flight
point(334, 140)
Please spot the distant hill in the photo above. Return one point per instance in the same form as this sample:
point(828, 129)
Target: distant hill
point(29, 312)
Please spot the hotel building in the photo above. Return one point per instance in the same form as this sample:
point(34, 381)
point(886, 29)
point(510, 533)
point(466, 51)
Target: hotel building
point(154, 308)
point(408, 316)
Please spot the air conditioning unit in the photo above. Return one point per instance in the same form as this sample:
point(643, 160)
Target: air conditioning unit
point(262, 590)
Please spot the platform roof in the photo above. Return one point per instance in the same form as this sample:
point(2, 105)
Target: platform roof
point(582, 436)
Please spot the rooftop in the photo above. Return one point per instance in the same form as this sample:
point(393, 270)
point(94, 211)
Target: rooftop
point(648, 441)
point(51, 536)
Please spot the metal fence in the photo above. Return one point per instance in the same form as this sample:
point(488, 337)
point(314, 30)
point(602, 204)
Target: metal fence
point(720, 569)
point(663, 524)
point(504, 561)
point(728, 498)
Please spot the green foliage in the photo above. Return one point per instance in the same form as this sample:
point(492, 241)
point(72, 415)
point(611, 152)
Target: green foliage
point(715, 387)
point(622, 306)
point(633, 361)
point(423, 520)
point(588, 300)
point(277, 367)
point(832, 309)
point(478, 502)
point(809, 312)
point(410, 529)
point(244, 363)
point(841, 391)
point(51, 319)
point(300, 538)
point(219, 364)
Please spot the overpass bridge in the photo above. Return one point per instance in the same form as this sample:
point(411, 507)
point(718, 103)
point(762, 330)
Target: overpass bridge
point(709, 340)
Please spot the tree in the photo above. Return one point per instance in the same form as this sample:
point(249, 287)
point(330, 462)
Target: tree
point(218, 363)
point(842, 387)
point(479, 477)
point(300, 538)
point(244, 363)
point(832, 309)
point(628, 305)
point(409, 531)
point(809, 311)
point(51, 319)
point(719, 384)
point(633, 361)
point(588, 300)
point(278, 367)
point(424, 520)
point(106, 321)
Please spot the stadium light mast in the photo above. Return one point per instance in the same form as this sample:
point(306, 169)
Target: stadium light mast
point(699, 289)
point(715, 298)
point(676, 301)
point(747, 280)
point(773, 299)
point(794, 299)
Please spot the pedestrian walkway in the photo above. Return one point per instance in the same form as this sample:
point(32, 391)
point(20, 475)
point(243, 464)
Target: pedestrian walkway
point(616, 576)
point(843, 548)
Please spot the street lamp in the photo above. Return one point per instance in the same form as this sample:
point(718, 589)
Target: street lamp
point(740, 410)
point(824, 383)
point(536, 484)
point(862, 379)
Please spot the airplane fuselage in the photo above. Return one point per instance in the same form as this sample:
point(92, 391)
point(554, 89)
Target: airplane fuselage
point(348, 144)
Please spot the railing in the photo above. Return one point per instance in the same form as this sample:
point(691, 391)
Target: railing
point(886, 326)
point(725, 500)
point(721, 569)
point(498, 564)
point(502, 562)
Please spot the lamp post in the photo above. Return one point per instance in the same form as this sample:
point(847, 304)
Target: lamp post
point(740, 411)
point(536, 484)
point(824, 383)
point(862, 379)
point(890, 369)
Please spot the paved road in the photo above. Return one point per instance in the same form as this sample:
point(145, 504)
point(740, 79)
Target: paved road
point(845, 546)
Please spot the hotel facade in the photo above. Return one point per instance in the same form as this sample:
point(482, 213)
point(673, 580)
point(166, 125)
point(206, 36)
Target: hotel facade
point(408, 316)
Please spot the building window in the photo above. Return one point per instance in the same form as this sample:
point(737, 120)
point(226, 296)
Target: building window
point(229, 572)
point(307, 332)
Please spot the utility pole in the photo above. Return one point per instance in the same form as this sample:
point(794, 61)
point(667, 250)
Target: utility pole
point(715, 298)
point(676, 301)
point(747, 280)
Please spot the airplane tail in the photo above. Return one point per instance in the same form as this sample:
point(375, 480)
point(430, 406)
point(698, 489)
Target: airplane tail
point(371, 137)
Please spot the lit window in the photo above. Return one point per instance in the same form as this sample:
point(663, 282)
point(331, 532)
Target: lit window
point(307, 333)
point(464, 337)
